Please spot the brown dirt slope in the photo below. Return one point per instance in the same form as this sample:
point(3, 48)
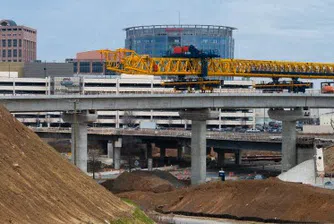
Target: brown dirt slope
point(138, 181)
point(38, 186)
point(329, 160)
point(265, 199)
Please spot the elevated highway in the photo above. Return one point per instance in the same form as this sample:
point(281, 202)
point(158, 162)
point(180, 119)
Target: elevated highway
point(197, 107)
point(164, 101)
point(220, 141)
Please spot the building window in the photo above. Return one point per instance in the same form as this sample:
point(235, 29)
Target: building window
point(97, 67)
point(9, 54)
point(75, 67)
point(14, 43)
point(20, 43)
point(14, 53)
point(20, 53)
point(3, 43)
point(84, 67)
point(9, 43)
point(3, 53)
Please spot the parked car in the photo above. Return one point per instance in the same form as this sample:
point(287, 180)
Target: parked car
point(253, 130)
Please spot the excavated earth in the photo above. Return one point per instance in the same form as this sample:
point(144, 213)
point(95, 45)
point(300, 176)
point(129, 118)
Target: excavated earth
point(329, 160)
point(156, 181)
point(38, 186)
point(258, 200)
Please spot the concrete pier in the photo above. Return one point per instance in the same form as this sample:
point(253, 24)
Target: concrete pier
point(117, 158)
point(110, 150)
point(238, 157)
point(79, 122)
point(289, 135)
point(162, 153)
point(180, 152)
point(198, 141)
point(117, 153)
point(149, 157)
point(221, 159)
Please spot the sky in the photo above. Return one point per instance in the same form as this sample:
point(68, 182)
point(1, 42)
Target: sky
point(298, 30)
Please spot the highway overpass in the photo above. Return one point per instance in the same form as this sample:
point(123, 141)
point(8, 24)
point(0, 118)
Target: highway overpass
point(165, 101)
point(197, 107)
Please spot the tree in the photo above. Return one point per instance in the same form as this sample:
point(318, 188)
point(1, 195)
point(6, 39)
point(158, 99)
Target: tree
point(129, 119)
point(93, 162)
point(130, 149)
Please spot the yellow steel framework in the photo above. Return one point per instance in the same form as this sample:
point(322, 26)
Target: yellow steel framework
point(128, 61)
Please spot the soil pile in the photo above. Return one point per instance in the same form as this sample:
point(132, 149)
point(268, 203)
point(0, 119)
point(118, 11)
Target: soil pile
point(169, 177)
point(38, 186)
point(329, 160)
point(138, 181)
point(270, 199)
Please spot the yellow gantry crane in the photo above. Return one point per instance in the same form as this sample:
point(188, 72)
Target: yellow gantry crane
point(190, 62)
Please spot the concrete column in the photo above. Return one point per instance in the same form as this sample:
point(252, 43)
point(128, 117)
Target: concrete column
point(117, 158)
point(198, 152)
point(149, 164)
point(198, 118)
point(79, 122)
point(221, 159)
point(289, 140)
point(110, 149)
point(238, 157)
point(117, 153)
point(149, 156)
point(180, 151)
point(289, 135)
point(162, 153)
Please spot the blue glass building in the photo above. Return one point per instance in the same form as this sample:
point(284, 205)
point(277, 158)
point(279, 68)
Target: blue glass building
point(157, 40)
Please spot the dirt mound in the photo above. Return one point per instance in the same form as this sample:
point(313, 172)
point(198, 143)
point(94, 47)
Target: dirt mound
point(264, 199)
point(138, 181)
point(329, 160)
point(38, 186)
point(169, 177)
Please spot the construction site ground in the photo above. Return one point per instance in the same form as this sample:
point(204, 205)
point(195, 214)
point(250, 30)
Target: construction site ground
point(268, 200)
point(38, 186)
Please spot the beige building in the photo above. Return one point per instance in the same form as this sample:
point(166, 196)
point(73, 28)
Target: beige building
point(17, 43)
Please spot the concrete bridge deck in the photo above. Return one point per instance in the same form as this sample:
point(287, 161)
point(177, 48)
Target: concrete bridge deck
point(165, 101)
point(236, 136)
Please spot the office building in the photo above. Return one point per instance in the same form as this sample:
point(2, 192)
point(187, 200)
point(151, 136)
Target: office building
point(17, 43)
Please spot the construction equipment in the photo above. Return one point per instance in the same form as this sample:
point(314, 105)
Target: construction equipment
point(327, 87)
point(276, 86)
point(189, 62)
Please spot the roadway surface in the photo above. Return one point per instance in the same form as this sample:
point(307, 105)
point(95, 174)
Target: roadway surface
point(165, 101)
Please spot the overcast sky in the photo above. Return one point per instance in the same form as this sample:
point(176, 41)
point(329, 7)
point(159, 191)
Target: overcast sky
point(300, 30)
